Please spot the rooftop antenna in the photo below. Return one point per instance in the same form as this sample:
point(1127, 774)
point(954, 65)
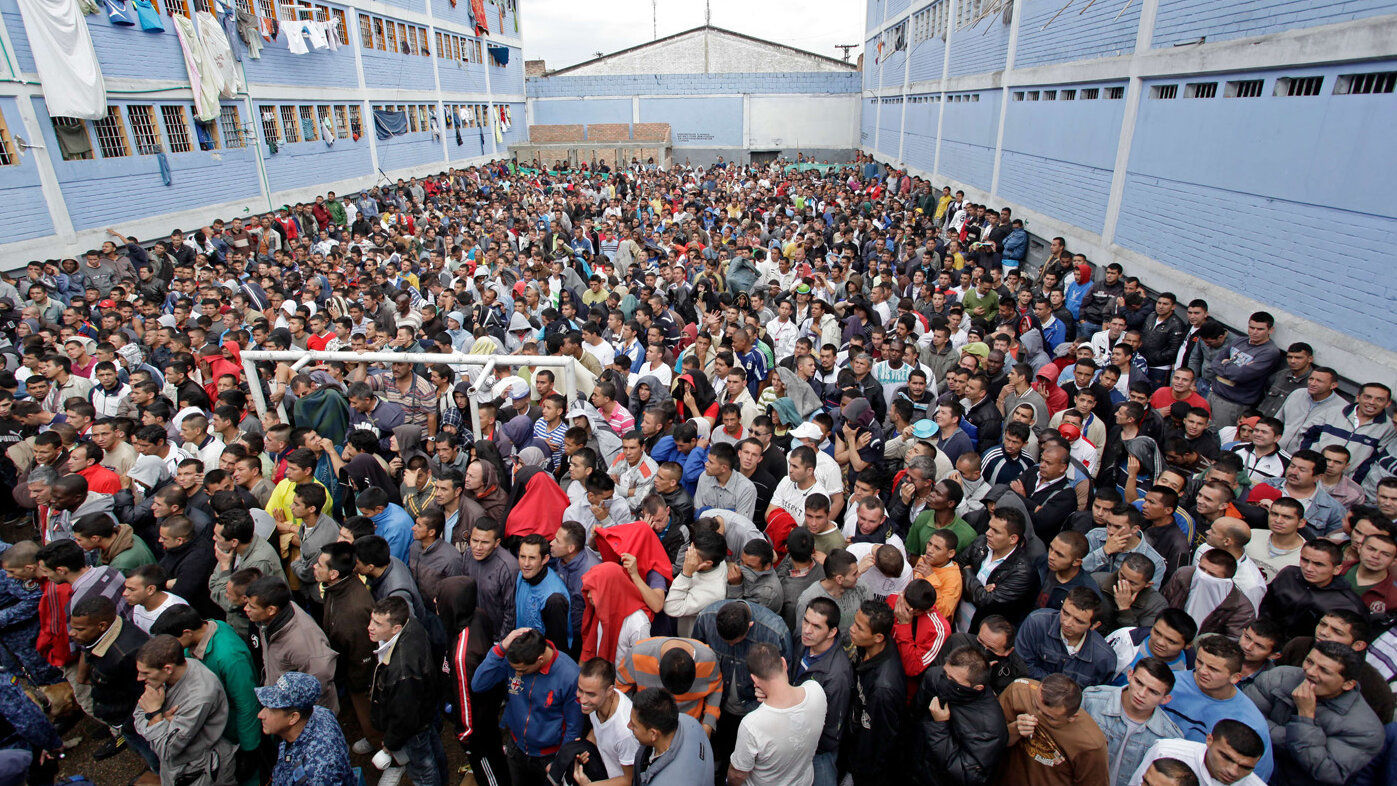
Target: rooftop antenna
point(654, 20)
point(845, 48)
point(708, 13)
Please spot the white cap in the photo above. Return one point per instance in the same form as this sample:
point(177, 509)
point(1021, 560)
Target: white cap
point(807, 431)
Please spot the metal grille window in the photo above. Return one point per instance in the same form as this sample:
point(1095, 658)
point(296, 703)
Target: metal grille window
point(1115, 93)
point(288, 124)
point(76, 131)
point(1090, 93)
point(144, 129)
point(366, 31)
point(173, 7)
point(1199, 90)
point(308, 130)
point(411, 118)
point(380, 42)
point(176, 128)
point(1067, 95)
point(1366, 84)
point(1162, 91)
point(422, 48)
point(111, 134)
point(1049, 95)
point(1299, 86)
point(267, 8)
point(343, 23)
point(392, 37)
point(356, 120)
point(271, 129)
point(341, 122)
point(326, 123)
point(1245, 88)
point(426, 117)
point(232, 127)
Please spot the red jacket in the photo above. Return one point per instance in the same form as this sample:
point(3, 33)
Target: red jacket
point(920, 641)
point(52, 641)
point(101, 480)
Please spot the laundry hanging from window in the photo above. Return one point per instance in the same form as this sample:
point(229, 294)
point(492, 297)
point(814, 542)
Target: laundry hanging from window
point(389, 123)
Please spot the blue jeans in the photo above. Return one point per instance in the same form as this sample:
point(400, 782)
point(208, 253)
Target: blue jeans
point(140, 746)
point(426, 758)
point(826, 773)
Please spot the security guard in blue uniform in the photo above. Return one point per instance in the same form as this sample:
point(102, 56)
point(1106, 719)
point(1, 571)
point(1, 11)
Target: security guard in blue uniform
point(29, 745)
point(313, 751)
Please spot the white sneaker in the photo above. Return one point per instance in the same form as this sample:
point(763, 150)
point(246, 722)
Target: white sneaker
point(362, 747)
point(391, 776)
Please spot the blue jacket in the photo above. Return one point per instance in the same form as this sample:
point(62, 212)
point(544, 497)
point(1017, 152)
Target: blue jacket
point(1040, 644)
point(767, 626)
point(394, 525)
point(530, 598)
point(542, 712)
point(1016, 245)
point(1074, 295)
point(1325, 516)
point(1124, 751)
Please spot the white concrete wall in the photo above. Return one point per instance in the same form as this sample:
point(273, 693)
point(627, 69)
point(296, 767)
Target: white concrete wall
point(791, 121)
point(708, 51)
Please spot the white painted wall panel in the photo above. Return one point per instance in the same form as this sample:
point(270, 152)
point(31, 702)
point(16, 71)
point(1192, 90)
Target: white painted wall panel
point(803, 121)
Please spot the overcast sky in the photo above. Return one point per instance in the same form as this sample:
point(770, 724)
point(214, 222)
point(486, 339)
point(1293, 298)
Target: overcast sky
point(567, 32)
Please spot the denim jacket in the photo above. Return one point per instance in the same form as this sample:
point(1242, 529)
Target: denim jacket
point(1103, 704)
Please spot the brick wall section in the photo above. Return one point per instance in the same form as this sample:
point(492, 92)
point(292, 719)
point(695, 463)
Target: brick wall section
point(608, 132)
point(651, 132)
point(559, 133)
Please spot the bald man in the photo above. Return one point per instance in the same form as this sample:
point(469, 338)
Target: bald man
point(1232, 536)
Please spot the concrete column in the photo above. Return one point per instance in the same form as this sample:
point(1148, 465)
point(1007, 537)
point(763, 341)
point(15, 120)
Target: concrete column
point(1148, 12)
point(1004, 91)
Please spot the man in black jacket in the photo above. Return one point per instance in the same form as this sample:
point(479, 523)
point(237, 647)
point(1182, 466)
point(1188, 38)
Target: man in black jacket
point(1301, 594)
point(1161, 337)
point(188, 560)
point(819, 659)
point(1048, 492)
point(109, 646)
point(877, 700)
point(983, 413)
point(962, 731)
point(998, 577)
point(403, 699)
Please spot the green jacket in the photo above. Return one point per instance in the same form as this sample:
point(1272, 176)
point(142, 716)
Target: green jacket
point(130, 551)
point(225, 654)
point(337, 213)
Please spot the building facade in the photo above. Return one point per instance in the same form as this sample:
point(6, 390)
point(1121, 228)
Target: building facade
point(304, 123)
point(722, 93)
point(1236, 150)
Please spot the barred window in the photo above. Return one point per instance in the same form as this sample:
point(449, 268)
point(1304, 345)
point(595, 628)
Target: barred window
point(267, 8)
point(343, 24)
point(392, 37)
point(380, 40)
point(144, 129)
point(288, 124)
point(176, 127)
point(309, 132)
point(341, 122)
point(232, 127)
point(423, 49)
point(411, 120)
point(366, 31)
point(271, 128)
point(111, 134)
point(356, 120)
point(325, 124)
point(76, 131)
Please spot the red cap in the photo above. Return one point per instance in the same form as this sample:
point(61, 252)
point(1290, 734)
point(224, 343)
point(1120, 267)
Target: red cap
point(108, 303)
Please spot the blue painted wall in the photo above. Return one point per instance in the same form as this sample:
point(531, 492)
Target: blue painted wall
point(919, 136)
point(277, 66)
point(927, 57)
point(1078, 33)
point(26, 213)
point(107, 191)
point(300, 164)
point(458, 76)
point(889, 127)
point(1187, 20)
point(979, 49)
point(1058, 155)
point(697, 122)
point(967, 139)
point(1243, 210)
point(586, 111)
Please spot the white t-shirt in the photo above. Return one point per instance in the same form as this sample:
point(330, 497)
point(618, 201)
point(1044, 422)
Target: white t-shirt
point(791, 498)
point(633, 628)
point(879, 586)
point(777, 746)
point(827, 474)
point(617, 744)
point(144, 619)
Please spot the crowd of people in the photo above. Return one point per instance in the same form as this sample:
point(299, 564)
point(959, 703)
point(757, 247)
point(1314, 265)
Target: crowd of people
point(835, 489)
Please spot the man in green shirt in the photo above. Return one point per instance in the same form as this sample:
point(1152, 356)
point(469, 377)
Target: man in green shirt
point(982, 302)
point(222, 650)
point(940, 513)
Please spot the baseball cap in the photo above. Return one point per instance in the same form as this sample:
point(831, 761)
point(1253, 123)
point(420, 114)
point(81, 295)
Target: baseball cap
point(292, 690)
point(807, 431)
point(108, 303)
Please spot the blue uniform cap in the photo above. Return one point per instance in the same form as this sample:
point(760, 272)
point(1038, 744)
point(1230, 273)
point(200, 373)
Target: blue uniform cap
point(292, 690)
